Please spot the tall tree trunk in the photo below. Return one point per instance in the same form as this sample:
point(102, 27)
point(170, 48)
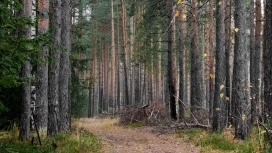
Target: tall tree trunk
point(268, 59)
point(113, 60)
point(53, 87)
point(159, 76)
point(42, 69)
point(196, 92)
point(240, 83)
point(210, 59)
point(170, 61)
point(219, 107)
point(252, 57)
point(124, 41)
point(65, 69)
point(26, 74)
point(181, 22)
point(227, 51)
point(256, 86)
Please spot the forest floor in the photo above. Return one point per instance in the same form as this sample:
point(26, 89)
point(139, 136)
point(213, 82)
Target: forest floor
point(143, 139)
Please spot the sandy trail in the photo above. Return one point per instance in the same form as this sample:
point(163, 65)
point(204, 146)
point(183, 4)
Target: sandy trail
point(139, 140)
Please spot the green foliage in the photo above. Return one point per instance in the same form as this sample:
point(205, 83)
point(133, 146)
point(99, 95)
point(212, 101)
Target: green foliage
point(14, 50)
point(77, 141)
point(134, 125)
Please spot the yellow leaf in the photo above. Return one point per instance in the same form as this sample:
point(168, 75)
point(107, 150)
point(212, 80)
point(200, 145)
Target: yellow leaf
point(217, 109)
point(243, 117)
point(236, 29)
point(177, 13)
point(184, 11)
point(221, 95)
point(204, 55)
point(230, 126)
point(219, 3)
point(259, 87)
point(179, 1)
point(227, 98)
point(211, 76)
point(184, 16)
point(221, 87)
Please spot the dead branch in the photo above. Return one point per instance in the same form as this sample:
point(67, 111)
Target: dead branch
point(189, 125)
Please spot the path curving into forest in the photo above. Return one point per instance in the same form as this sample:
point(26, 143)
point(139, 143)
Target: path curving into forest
point(144, 139)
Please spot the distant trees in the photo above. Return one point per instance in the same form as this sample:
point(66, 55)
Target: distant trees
point(128, 57)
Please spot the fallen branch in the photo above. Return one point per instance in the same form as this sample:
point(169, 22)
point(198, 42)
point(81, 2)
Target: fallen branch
point(183, 125)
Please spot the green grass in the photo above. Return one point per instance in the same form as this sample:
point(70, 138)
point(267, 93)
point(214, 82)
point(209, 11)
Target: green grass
point(77, 141)
point(190, 135)
point(223, 142)
point(134, 125)
point(218, 142)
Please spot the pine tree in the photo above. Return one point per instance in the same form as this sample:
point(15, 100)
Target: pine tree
point(240, 82)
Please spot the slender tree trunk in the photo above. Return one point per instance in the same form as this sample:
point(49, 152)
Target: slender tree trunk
point(227, 48)
point(159, 76)
point(256, 86)
point(26, 74)
point(113, 60)
point(196, 89)
point(268, 59)
point(65, 68)
point(210, 59)
point(170, 62)
point(181, 9)
point(118, 101)
point(240, 83)
point(42, 69)
point(252, 57)
point(124, 41)
point(53, 87)
point(219, 107)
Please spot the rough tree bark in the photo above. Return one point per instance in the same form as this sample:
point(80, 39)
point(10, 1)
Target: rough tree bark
point(219, 106)
point(255, 82)
point(65, 69)
point(53, 87)
point(196, 89)
point(268, 59)
point(240, 83)
point(26, 74)
point(227, 51)
point(42, 69)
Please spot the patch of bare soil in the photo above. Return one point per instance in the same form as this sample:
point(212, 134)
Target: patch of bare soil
point(145, 139)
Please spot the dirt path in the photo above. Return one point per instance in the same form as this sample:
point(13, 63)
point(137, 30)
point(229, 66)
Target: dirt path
point(139, 140)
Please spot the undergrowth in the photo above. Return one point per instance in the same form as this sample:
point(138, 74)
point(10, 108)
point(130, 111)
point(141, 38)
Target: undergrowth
point(77, 141)
point(224, 142)
point(134, 125)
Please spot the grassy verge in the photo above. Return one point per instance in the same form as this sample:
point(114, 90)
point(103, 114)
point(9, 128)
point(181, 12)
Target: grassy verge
point(225, 142)
point(77, 141)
